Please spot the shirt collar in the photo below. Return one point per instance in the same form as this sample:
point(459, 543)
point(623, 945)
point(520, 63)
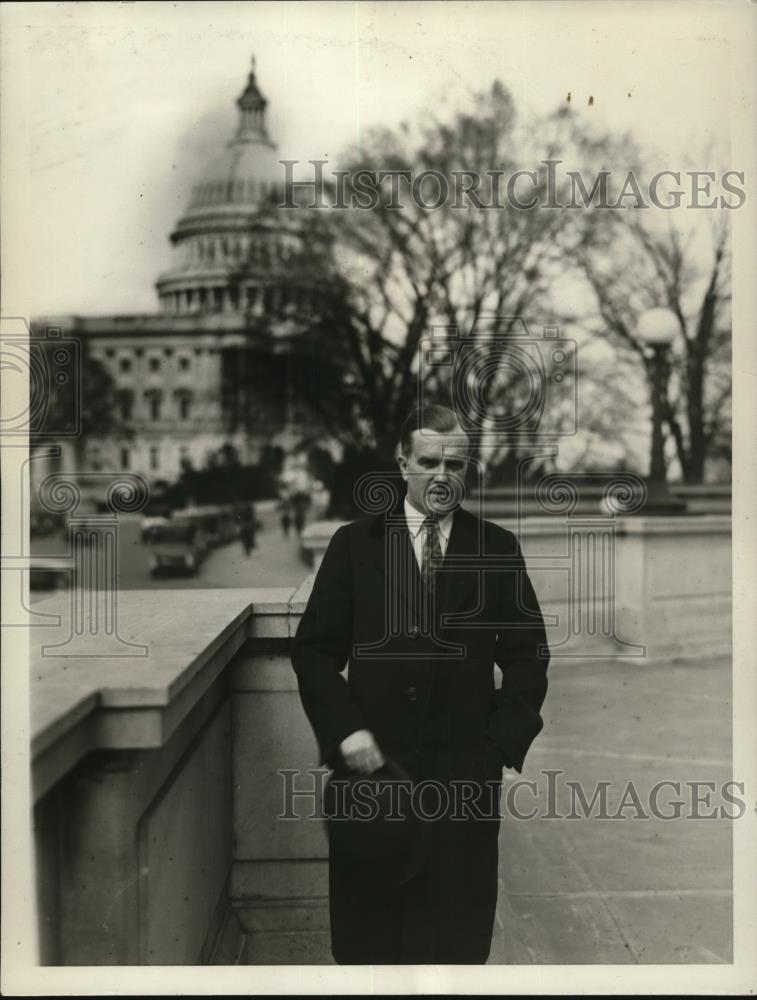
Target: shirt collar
point(415, 521)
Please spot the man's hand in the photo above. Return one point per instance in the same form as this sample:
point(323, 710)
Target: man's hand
point(361, 752)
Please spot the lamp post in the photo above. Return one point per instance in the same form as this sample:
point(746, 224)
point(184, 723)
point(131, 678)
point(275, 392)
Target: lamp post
point(657, 329)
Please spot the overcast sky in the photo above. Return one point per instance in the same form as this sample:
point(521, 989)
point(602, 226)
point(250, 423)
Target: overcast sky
point(123, 103)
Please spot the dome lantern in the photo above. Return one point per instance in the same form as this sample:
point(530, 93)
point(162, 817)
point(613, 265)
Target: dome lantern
point(252, 105)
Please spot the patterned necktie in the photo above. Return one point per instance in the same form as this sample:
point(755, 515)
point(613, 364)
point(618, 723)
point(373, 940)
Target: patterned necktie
point(432, 553)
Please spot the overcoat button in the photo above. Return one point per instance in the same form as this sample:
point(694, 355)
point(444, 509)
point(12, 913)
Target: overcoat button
point(412, 694)
point(414, 631)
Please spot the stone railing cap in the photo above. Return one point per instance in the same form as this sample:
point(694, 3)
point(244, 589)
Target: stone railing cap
point(183, 631)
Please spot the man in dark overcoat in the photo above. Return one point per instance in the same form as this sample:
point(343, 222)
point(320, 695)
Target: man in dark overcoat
point(420, 602)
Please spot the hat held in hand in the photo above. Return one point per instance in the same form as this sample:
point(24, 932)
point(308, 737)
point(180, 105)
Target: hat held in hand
point(371, 822)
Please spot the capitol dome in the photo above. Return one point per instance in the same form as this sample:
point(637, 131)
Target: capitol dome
point(223, 230)
point(246, 174)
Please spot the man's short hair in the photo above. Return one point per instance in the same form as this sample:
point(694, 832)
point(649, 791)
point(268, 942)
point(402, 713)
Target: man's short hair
point(431, 417)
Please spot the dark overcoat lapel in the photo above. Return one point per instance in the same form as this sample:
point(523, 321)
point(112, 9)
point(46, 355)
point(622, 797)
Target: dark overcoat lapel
point(458, 576)
point(391, 555)
point(393, 568)
point(391, 562)
point(395, 579)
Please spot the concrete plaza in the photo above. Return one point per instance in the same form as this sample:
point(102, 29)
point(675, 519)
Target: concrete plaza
point(627, 889)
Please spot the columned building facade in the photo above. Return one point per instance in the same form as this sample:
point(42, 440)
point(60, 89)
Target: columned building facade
point(209, 368)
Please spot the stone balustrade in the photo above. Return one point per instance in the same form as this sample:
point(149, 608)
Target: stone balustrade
point(627, 586)
point(509, 501)
point(156, 782)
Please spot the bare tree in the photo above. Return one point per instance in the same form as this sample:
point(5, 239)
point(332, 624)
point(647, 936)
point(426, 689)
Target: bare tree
point(428, 255)
point(631, 265)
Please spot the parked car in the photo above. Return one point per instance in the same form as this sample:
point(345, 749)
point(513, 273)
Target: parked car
point(217, 522)
point(50, 572)
point(148, 523)
point(176, 546)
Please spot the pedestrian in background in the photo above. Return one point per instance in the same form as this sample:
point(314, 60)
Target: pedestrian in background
point(285, 509)
point(249, 530)
point(300, 502)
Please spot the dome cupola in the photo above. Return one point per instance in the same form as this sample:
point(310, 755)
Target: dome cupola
point(223, 229)
point(252, 105)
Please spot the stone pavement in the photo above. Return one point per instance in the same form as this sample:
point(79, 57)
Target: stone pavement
point(604, 891)
point(620, 890)
point(274, 562)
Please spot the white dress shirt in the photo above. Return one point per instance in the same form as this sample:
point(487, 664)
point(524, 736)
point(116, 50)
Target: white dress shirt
point(415, 521)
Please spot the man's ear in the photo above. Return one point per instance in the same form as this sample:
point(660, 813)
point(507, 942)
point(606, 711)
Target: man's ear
point(402, 462)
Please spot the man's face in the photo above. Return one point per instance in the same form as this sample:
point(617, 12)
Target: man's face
point(435, 470)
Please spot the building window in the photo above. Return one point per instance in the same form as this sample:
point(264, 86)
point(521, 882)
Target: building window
point(154, 402)
point(184, 364)
point(184, 400)
point(154, 457)
point(125, 458)
point(124, 365)
point(126, 404)
point(154, 364)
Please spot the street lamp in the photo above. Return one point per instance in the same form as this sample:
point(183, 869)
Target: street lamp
point(657, 328)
